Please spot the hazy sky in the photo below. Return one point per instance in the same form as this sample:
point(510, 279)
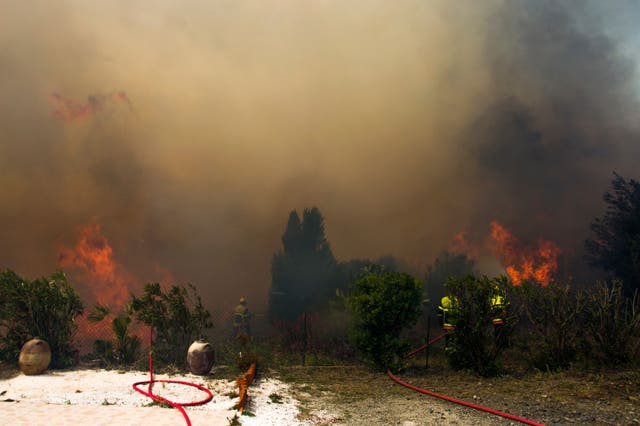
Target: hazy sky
point(404, 122)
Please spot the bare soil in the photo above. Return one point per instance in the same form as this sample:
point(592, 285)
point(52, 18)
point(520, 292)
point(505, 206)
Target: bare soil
point(357, 396)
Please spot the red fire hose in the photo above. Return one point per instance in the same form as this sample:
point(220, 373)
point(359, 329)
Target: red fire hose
point(426, 345)
point(157, 398)
point(457, 401)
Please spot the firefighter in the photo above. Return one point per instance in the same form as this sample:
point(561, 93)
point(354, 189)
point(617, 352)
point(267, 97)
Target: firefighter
point(447, 313)
point(449, 306)
point(499, 312)
point(241, 317)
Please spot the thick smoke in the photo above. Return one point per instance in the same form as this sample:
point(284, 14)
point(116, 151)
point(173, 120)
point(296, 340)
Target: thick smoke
point(404, 122)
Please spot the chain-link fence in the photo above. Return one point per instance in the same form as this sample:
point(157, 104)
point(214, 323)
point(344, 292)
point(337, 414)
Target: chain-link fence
point(222, 333)
point(312, 338)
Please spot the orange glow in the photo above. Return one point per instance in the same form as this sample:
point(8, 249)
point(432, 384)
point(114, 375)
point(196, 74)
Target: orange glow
point(461, 245)
point(92, 259)
point(70, 111)
point(522, 263)
point(100, 279)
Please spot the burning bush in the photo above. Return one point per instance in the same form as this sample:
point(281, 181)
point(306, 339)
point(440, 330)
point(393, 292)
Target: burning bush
point(45, 308)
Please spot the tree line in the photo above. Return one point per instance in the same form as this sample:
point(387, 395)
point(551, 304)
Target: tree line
point(305, 274)
point(306, 277)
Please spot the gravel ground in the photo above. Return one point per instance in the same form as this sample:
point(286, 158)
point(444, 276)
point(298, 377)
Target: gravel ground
point(356, 396)
point(350, 395)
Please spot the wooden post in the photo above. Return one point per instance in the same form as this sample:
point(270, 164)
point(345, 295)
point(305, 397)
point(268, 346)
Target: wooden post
point(426, 351)
point(304, 337)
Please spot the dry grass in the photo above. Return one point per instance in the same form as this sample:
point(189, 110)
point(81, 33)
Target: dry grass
point(607, 396)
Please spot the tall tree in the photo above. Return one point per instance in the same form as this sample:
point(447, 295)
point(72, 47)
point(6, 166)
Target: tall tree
point(302, 272)
point(292, 237)
point(615, 245)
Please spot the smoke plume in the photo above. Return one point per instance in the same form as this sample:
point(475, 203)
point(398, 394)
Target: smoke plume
point(404, 122)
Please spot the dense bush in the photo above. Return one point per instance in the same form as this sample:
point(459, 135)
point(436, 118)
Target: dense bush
point(472, 345)
point(551, 324)
point(177, 316)
point(383, 306)
point(45, 308)
point(613, 322)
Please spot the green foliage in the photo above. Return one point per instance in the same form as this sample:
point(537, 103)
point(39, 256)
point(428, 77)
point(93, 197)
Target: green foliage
point(45, 307)
point(302, 272)
point(383, 306)
point(234, 421)
point(472, 345)
point(99, 313)
point(613, 322)
point(275, 398)
point(615, 246)
point(553, 324)
point(177, 316)
point(125, 347)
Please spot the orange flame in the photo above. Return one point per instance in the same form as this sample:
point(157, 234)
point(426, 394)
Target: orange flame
point(101, 280)
point(537, 265)
point(70, 110)
point(92, 257)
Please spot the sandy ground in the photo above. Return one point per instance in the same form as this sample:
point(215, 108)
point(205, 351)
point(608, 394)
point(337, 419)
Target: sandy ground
point(320, 396)
point(100, 397)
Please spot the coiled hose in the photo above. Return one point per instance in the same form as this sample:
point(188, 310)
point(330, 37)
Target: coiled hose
point(178, 405)
point(457, 401)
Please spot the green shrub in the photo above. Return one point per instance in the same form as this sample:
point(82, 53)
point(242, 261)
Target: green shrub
point(124, 348)
point(472, 345)
point(384, 305)
point(45, 308)
point(177, 316)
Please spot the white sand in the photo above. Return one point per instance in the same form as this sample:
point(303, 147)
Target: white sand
point(100, 397)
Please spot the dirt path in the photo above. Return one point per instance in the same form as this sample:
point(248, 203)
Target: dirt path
point(356, 396)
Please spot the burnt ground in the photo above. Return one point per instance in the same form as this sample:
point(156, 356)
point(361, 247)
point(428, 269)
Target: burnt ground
point(355, 395)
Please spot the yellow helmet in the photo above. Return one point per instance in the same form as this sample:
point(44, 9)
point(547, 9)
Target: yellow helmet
point(242, 300)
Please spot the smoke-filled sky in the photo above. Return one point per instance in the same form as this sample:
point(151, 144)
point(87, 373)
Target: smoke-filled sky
point(200, 124)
